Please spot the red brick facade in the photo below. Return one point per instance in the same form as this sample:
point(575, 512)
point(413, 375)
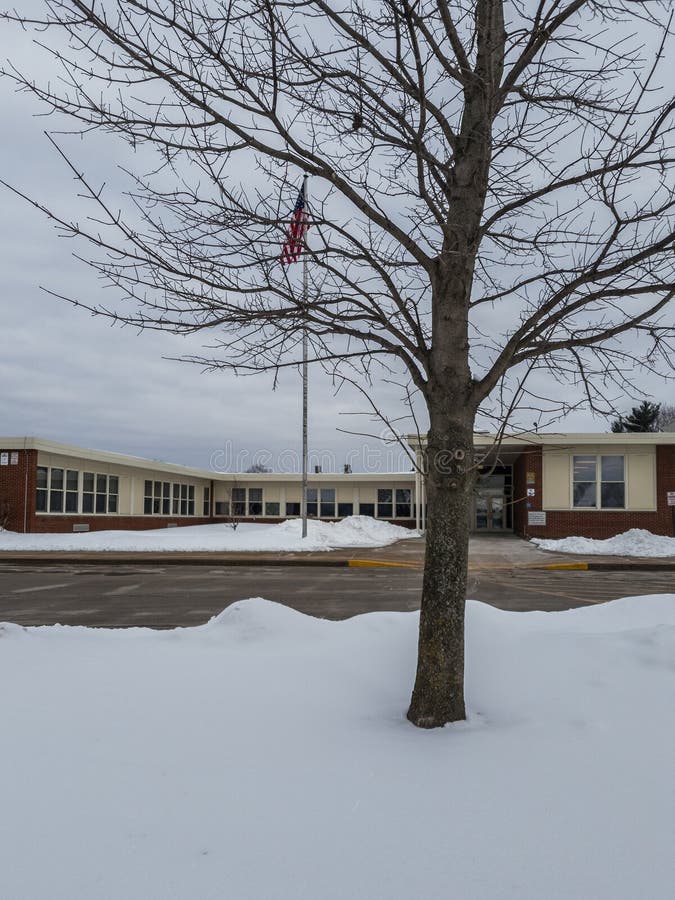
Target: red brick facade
point(17, 489)
point(586, 523)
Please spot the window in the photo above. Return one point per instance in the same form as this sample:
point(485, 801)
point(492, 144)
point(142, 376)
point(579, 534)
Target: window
point(255, 501)
point(598, 482)
point(327, 505)
point(294, 509)
point(167, 499)
point(272, 509)
point(56, 490)
point(367, 509)
point(42, 484)
point(222, 507)
point(88, 492)
point(345, 509)
point(206, 509)
point(384, 504)
point(72, 487)
point(403, 504)
point(238, 501)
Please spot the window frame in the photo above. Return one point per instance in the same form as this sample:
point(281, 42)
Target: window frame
point(598, 482)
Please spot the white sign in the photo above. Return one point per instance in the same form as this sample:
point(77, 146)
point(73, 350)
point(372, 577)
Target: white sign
point(14, 459)
point(530, 492)
point(4, 459)
point(536, 517)
point(671, 498)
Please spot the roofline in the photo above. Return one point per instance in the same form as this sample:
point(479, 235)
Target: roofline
point(140, 462)
point(561, 439)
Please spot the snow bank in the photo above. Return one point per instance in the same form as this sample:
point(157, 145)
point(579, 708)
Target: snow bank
point(266, 755)
point(354, 531)
point(636, 542)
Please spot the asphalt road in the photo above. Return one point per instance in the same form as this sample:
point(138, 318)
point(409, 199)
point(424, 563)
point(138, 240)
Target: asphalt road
point(119, 596)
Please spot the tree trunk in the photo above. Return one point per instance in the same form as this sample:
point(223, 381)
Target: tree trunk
point(438, 695)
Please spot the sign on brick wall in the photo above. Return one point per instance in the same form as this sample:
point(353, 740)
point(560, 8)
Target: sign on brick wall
point(536, 517)
point(670, 496)
point(14, 459)
point(4, 459)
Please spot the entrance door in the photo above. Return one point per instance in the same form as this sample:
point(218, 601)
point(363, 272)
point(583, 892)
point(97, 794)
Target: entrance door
point(489, 512)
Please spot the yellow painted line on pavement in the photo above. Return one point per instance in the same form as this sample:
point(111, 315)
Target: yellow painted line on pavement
point(571, 566)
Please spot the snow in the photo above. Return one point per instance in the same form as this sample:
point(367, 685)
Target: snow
point(636, 542)
point(353, 531)
point(266, 755)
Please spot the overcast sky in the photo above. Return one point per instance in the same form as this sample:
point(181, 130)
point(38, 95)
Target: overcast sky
point(70, 377)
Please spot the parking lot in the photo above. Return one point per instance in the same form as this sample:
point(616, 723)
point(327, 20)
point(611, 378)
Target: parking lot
point(170, 596)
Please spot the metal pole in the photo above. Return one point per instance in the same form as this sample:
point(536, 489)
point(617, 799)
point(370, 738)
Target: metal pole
point(305, 297)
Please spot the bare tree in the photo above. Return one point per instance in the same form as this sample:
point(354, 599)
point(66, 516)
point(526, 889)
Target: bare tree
point(666, 418)
point(491, 204)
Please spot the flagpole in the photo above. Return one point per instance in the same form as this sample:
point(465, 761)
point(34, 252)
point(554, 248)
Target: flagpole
point(305, 298)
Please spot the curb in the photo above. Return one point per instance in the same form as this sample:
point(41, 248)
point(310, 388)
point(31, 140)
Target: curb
point(217, 561)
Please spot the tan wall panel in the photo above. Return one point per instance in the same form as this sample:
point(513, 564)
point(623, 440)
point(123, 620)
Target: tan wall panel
point(556, 475)
point(641, 481)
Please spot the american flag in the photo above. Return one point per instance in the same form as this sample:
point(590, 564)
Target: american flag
point(296, 231)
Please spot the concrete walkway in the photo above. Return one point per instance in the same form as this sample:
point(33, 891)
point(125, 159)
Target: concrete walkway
point(485, 552)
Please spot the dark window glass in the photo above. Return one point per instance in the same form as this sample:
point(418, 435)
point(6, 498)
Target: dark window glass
point(113, 485)
point(176, 491)
point(166, 506)
point(147, 506)
point(100, 503)
point(612, 468)
point(71, 501)
point(148, 489)
point(293, 509)
point(584, 494)
point(238, 509)
point(239, 494)
point(183, 492)
point(101, 484)
point(57, 479)
point(222, 508)
point(56, 501)
point(312, 495)
point(612, 495)
point(183, 507)
point(191, 492)
point(328, 495)
point(156, 505)
point(174, 506)
point(366, 509)
point(87, 503)
point(272, 509)
point(158, 489)
point(345, 509)
point(88, 482)
point(41, 477)
point(207, 506)
point(191, 507)
point(312, 510)
point(255, 508)
point(41, 500)
point(255, 494)
point(166, 489)
point(112, 503)
point(403, 505)
point(385, 508)
point(71, 480)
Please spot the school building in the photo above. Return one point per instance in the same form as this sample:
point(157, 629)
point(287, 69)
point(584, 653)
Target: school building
point(537, 485)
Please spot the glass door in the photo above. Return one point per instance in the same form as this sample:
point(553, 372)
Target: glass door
point(489, 513)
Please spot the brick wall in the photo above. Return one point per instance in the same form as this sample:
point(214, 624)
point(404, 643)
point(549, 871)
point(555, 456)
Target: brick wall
point(58, 524)
point(604, 524)
point(16, 483)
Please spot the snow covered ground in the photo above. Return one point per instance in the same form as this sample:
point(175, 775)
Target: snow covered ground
point(636, 542)
point(354, 531)
point(266, 756)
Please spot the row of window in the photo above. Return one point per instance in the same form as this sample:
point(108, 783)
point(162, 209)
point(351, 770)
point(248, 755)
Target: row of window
point(598, 482)
point(162, 498)
point(70, 491)
point(321, 503)
point(67, 490)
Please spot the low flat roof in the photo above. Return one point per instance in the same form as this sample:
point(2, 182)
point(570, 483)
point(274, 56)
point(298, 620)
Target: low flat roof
point(139, 462)
point(561, 439)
